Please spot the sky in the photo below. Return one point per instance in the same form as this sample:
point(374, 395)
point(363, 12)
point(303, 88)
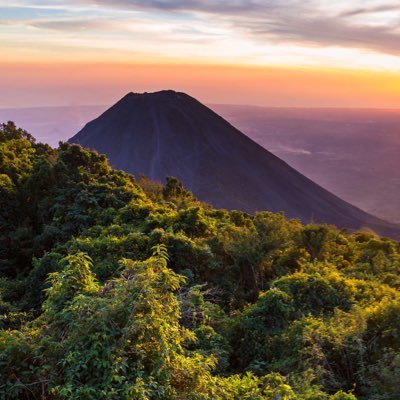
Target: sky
point(312, 53)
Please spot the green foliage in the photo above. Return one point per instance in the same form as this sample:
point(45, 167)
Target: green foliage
point(9, 131)
point(112, 288)
point(74, 278)
point(174, 189)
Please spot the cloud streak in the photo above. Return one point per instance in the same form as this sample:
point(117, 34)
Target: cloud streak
point(74, 25)
point(371, 10)
point(217, 6)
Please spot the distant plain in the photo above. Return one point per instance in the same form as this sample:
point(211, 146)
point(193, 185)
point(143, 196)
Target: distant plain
point(354, 153)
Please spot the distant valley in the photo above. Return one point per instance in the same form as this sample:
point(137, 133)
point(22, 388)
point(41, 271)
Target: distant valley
point(353, 153)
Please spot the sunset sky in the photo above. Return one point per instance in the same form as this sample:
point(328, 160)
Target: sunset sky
point(265, 52)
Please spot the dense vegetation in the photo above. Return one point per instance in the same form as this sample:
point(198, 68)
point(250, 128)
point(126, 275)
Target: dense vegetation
point(116, 288)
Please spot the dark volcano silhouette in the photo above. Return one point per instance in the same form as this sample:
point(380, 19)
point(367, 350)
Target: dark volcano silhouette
point(169, 133)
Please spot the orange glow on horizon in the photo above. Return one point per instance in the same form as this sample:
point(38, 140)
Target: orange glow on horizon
point(29, 84)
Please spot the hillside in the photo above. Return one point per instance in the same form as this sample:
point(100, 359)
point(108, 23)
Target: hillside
point(172, 134)
point(116, 288)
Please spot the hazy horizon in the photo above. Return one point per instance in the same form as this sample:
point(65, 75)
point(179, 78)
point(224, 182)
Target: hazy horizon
point(211, 105)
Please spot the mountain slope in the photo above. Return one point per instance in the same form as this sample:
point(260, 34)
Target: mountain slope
point(170, 133)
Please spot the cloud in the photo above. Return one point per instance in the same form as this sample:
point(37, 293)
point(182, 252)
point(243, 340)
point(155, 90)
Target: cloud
point(328, 31)
point(283, 149)
point(304, 22)
point(217, 6)
point(370, 10)
point(123, 30)
point(74, 25)
point(255, 25)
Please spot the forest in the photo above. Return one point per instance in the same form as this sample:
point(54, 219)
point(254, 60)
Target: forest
point(119, 287)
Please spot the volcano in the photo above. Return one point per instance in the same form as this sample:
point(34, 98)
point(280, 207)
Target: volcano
point(169, 133)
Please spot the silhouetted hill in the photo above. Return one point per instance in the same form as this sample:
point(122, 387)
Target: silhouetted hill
point(170, 133)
